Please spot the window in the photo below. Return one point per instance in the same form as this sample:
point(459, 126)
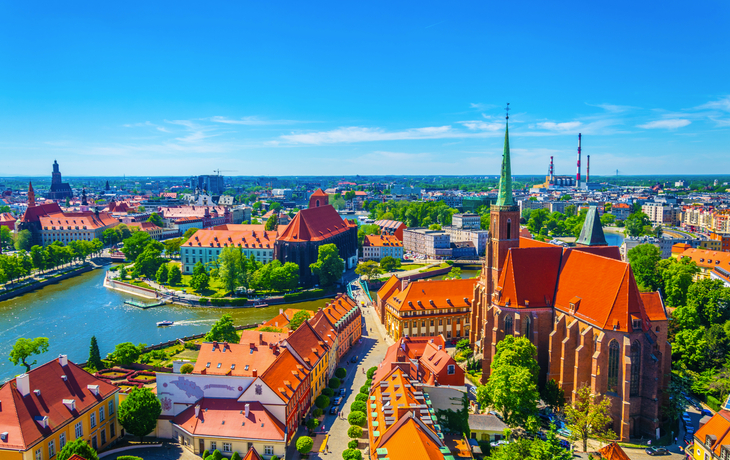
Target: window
point(423, 324)
point(226, 447)
point(61, 441)
point(111, 407)
point(613, 350)
point(528, 328)
point(448, 321)
point(92, 421)
point(508, 325)
point(451, 369)
point(79, 430)
point(93, 443)
point(213, 446)
point(51, 449)
point(431, 322)
point(441, 322)
point(635, 367)
point(101, 414)
point(268, 450)
point(112, 433)
point(38, 454)
point(509, 229)
point(103, 437)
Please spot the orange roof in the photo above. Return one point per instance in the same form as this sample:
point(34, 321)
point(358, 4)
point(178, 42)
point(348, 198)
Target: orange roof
point(338, 308)
point(531, 243)
point(18, 413)
point(285, 375)
point(518, 284)
point(209, 238)
point(706, 258)
point(392, 282)
point(620, 206)
point(316, 224)
point(654, 306)
point(429, 295)
point(252, 455)
point(718, 428)
point(613, 452)
point(82, 220)
point(382, 241)
point(400, 353)
point(263, 337)
point(680, 247)
point(307, 344)
point(323, 328)
point(240, 359)
point(282, 319)
point(145, 226)
point(436, 359)
point(227, 418)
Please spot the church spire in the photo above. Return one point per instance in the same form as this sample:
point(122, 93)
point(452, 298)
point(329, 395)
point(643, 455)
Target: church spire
point(505, 180)
point(31, 195)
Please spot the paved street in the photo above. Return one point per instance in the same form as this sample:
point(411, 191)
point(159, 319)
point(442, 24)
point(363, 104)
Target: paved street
point(169, 451)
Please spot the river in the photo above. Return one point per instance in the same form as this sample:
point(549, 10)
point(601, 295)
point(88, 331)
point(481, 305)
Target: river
point(70, 312)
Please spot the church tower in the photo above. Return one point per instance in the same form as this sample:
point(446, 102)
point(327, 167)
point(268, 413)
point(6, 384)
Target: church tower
point(31, 195)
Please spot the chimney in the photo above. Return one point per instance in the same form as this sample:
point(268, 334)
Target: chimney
point(42, 421)
point(254, 373)
point(577, 175)
point(261, 338)
point(94, 389)
point(281, 311)
point(64, 378)
point(247, 409)
point(588, 169)
point(63, 360)
point(70, 404)
point(37, 392)
point(197, 410)
point(22, 383)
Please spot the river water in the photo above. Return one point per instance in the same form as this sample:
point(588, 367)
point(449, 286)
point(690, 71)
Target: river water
point(70, 312)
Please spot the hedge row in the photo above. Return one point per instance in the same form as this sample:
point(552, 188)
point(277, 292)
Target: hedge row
point(304, 295)
point(223, 302)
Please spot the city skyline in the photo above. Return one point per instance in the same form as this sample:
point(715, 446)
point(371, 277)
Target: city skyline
point(346, 90)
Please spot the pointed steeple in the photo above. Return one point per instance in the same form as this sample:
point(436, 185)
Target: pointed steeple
point(31, 195)
point(592, 232)
point(505, 181)
point(83, 198)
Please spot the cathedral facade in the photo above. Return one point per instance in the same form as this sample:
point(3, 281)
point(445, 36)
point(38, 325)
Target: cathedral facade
point(582, 310)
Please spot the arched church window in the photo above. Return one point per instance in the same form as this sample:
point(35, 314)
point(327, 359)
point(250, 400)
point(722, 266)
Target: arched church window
point(528, 328)
point(613, 358)
point(635, 367)
point(508, 325)
point(509, 229)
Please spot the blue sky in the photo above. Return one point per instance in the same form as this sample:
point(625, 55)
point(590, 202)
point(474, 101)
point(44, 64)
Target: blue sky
point(301, 88)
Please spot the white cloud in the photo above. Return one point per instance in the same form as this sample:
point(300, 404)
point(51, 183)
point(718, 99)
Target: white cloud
point(359, 134)
point(721, 104)
point(672, 123)
point(478, 125)
point(567, 126)
point(613, 108)
point(251, 121)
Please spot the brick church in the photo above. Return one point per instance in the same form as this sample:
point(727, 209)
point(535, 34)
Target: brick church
point(582, 310)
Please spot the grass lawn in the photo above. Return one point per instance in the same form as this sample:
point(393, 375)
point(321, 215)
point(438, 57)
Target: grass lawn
point(145, 377)
point(436, 267)
point(112, 374)
point(406, 267)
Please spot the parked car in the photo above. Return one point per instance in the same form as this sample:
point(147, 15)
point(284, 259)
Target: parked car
point(353, 359)
point(337, 401)
point(565, 444)
point(689, 429)
point(334, 410)
point(706, 412)
point(657, 451)
point(341, 392)
point(564, 432)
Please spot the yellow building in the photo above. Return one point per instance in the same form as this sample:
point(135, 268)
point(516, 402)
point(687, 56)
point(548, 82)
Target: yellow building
point(53, 404)
point(706, 260)
point(712, 440)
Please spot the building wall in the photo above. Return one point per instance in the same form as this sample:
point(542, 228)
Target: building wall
point(192, 444)
point(189, 256)
point(451, 325)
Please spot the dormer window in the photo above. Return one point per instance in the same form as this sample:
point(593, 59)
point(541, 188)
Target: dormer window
point(636, 324)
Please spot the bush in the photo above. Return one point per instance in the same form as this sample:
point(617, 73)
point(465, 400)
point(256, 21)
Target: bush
point(322, 401)
point(334, 383)
point(203, 301)
point(317, 412)
point(361, 397)
point(217, 455)
point(358, 406)
point(353, 444)
point(312, 424)
point(206, 452)
point(304, 444)
point(328, 392)
point(365, 389)
point(341, 373)
point(274, 457)
point(369, 382)
point(352, 454)
point(77, 447)
point(236, 456)
point(304, 295)
point(354, 432)
point(357, 418)
point(371, 372)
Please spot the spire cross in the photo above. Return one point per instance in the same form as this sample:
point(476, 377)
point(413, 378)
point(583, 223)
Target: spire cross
point(506, 109)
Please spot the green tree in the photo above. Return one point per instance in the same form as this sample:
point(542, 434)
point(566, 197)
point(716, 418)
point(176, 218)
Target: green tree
point(341, 373)
point(553, 395)
point(589, 417)
point(135, 245)
point(351, 454)
point(329, 266)
point(6, 236)
point(358, 406)
point(304, 445)
point(512, 384)
point(636, 224)
point(312, 424)
point(172, 246)
point(149, 261)
point(161, 275)
point(550, 449)
point(94, 356)
point(126, 353)
point(187, 368)
point(454, 274)
point(272, 222)
point(188, 233)
point(200, 282)
point(37, 256)
point(77, 447)
point(232, 268)
point(222, 331)
point(139, 411)
point(23, 240)
point(677, 276)
point(368, 269)
point(174, 275)
point(644, 260)
point(334, 383)
point(322, 401)
point(122, 273)
point(298, 318)
point(356, 418)
point(354, 432)
point(24, 348)
point(389, 263)
point(156, 219)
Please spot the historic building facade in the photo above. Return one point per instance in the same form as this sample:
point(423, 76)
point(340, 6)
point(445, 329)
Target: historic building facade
point(59, 189)
point(582, 310)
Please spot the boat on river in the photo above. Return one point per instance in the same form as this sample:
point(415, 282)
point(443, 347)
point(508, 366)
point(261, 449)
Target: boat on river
point(259, 304)
point(167, 322)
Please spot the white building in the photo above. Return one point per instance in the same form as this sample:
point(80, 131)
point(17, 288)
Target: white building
point(375, 247)
point(206, 245)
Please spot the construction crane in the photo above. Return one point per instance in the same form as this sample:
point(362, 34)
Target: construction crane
point(219, 171)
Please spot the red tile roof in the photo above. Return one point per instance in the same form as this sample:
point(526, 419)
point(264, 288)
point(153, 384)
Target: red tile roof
point(323, 327)
point(382, 241)
point(241, 359)
point(315, 224)
point(227, 418)
point(17, 413)
point(307, 344)
point(34, 213)
point(521, 286)
point(72, 220)
point(338, 308)
point(719, 427)
point(209, 238)
point(282, 319)
point(654, 306)
point(285, 375)
point(252, 455)
point(434, 294)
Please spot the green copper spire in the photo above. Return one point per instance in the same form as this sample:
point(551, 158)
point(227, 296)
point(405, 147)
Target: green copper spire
point(505, 181)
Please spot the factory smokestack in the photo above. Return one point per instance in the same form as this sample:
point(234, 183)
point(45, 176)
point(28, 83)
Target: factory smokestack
point(588, 169)
point(577, 175)
point(551, 170)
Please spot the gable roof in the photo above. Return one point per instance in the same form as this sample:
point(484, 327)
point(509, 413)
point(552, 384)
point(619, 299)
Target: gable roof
point(592, 232)
point(323, 327)
point(339, 308)
point(434, 294)
point(252, 454)
point(285, 375)
point(529, 277)
point(239, 359)
point(307, 344)
point(386, 289)
point(382, 241)
point(34, 213)
point(17, 413)
point(613, 452)
point(227, 418)
point(654, 306)
point(719, 427)
point(315, 224)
